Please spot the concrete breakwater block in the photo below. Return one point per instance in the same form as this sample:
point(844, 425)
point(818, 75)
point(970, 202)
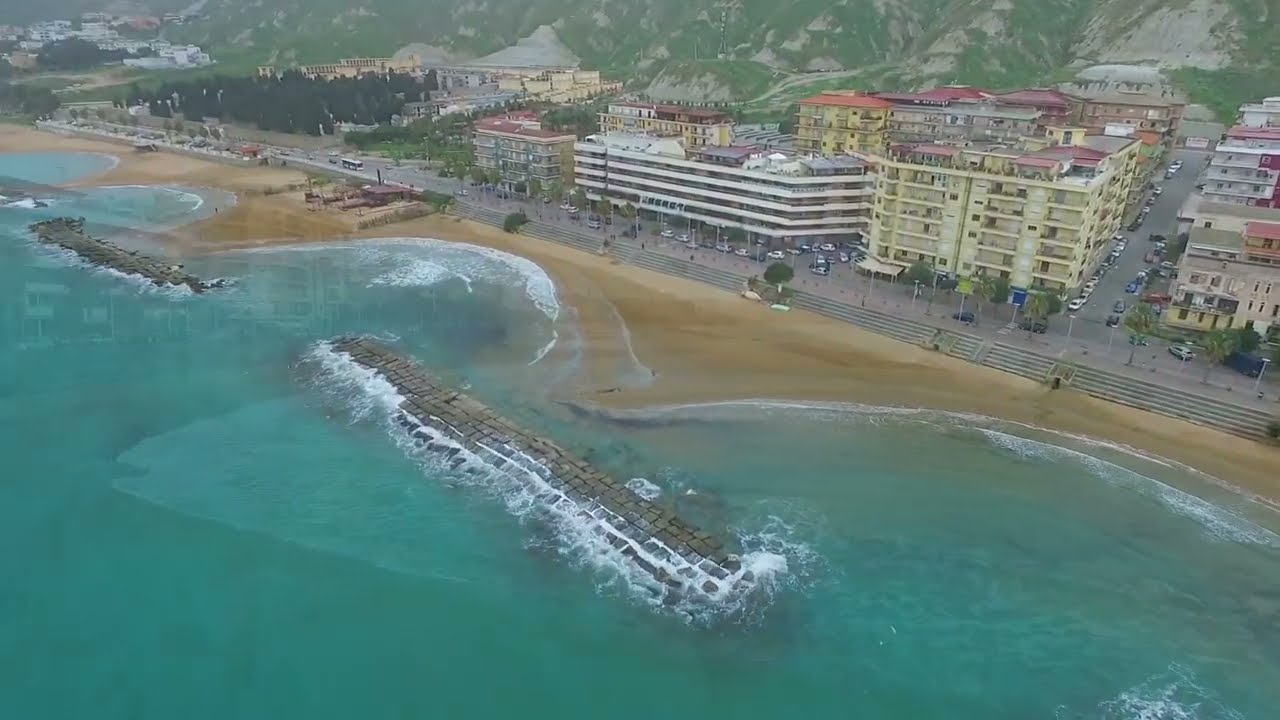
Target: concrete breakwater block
point(68, 234)
point(675, 553)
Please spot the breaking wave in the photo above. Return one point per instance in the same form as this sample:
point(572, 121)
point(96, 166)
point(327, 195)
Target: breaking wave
point(577, 532)
point(1173, 694)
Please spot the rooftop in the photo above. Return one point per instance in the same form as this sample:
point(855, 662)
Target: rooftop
point(1243, 132)
point(693, 112)
point(1037, 97)
point(520, 127)
point(1211, 239)
point(754, 158)
point(1264, 230)
point(847, 99)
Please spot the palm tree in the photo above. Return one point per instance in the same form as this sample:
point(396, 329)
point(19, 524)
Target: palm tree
point(1217, 346)
point(1036, 307)
point(1141, 322)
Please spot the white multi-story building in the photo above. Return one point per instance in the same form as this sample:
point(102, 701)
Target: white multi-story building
point(1261, 114)
point(774, 197)
point(1245, 168)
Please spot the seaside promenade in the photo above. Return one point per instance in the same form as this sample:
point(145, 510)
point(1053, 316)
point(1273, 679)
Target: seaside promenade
point(1087, 357)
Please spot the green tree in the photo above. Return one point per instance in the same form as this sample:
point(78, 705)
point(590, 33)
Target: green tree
point(578, 197)
point(534, 186)
point(556, 191)
point(628, 212)
point(737, 236)
point(478, 175)
point(919, 272)
point(778, 273)
point(1217, 345)
point(1036, 308)
point(513, 221)
point(1141, 322)
point(1245, 338)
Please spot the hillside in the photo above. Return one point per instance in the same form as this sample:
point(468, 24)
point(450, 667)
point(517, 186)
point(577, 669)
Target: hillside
point(992, 42)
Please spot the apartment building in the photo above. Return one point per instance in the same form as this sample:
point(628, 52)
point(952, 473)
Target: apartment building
point(1142, 111)
point(1039, 213)
point(696, 127)
point(955, 115)
point(842, 121)
point(1245, 168)
point(775, 197)
point(557, 86)
point(520, 151)
point(1229, 278)
point(352, 67)
point(1261, 114)
point(1056, 108)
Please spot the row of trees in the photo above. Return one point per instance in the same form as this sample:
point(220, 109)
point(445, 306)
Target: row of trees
point(27, 100)
point(291, 103)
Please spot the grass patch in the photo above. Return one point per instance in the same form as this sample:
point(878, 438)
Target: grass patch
point(1224, 91)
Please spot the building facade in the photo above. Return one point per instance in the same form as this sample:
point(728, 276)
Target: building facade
point(520, 151)
point(839, 122)
point(352, 67)
point(774, 197)
point(1056, 108)
point(1228, 279)
point(1245, 168)
point(1142, 111)
point(1039, 214)
point(696, 127)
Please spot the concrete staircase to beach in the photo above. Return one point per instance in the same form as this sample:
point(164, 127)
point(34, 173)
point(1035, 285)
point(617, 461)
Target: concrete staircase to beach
point(908, 331)
point(1018, 361)
point(659, 262)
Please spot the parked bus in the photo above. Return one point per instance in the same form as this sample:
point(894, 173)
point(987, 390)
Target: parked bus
point(349, 164)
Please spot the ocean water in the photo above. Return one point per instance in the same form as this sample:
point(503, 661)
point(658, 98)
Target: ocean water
point(206, 514)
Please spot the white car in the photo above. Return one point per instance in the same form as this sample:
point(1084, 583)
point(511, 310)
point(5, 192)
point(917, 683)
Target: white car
point(742, 252)
point(573, 211)
point(683, 237)
point(844, 257)
point(1076, 304)
point(793, 251)
point(667, 233)
point(776, 255)
point(566, 206)
point(820, 269)
point(1121, 246)
point(827, 247)
point(724, 247)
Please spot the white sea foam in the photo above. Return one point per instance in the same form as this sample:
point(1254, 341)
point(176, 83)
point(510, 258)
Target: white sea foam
point(1219, 522)
point(416, 272)
point(1170, 695)
point(580, 530)
point(193, 199)
point(645, 489)
point(30, 203)
point(555, 337)
point(141, 285)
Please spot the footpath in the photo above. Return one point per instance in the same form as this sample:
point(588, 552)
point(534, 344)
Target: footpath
point(1096, 381)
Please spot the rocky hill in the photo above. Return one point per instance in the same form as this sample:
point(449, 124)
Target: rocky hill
point(993, 42)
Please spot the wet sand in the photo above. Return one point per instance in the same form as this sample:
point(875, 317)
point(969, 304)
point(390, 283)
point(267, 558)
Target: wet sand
point(704, 344)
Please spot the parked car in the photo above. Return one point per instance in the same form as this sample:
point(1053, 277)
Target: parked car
point(965, 317)
point(820, 269)
point(1157, 190)
point(667, 233)
point(1076, 304)
point(593, 223)
point(1118, 308)
point(724, 248)
point(742, 252)
point(572, 211)
point(1113, 320)
point(1245, 363)
point(793, 251)
point(1133, 226)
point(683, 237)
point(1166, 265)
point(1182, 352)
point(776, 255)
point(1131, 288)
point(827, 247)
point(844, 257)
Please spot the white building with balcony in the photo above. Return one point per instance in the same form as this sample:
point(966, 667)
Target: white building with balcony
point(774, 197)
point(1261, 114)
point(1245, 168)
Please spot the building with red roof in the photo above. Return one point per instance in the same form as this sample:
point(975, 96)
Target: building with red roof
point(834, 123)
point(521, 151)
point(697, 127)
point(1055, 107)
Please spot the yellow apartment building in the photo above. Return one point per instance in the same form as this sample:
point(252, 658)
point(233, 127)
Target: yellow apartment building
point(838, 122)
point(697, 127)
point(1039, 212)
point(1229, 278)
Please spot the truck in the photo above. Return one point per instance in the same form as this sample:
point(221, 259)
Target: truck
point(1245, 364)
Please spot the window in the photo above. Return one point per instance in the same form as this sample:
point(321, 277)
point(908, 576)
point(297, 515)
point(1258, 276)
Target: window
point(973, 233)
point(1208, 224)
point(942, 262)
point(954, 196)
point(977, 217)
point(1182, 314)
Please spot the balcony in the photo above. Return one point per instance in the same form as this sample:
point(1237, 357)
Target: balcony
point(1221, 307)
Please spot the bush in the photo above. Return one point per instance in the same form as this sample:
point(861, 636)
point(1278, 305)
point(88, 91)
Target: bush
point(1273, 429)
point(514, 221)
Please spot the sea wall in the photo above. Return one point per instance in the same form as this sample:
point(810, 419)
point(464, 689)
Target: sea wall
point(670, 550)
point(69, 234)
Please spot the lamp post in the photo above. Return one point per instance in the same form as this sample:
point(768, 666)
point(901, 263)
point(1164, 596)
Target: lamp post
point(1111, 336)
point(1071, 323)
point(1261, 372)
point(929, 307)
point(915, 293)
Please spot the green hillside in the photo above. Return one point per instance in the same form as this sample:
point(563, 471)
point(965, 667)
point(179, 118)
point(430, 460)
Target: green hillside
point(1000, 43)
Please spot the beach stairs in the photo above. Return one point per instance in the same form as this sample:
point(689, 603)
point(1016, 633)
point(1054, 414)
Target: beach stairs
point(1174, 402)
point(1063, 372)
point(958, 345)
point(1019, 361)
point(908, 331)
point(667, 265)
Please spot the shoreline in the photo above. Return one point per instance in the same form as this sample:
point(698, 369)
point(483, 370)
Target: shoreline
point(703, 345)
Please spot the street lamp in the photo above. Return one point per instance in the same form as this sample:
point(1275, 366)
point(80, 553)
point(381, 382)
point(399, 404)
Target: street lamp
point(1261, 372)
point(1071, 323)
point(915, 293)
point(1111, 336)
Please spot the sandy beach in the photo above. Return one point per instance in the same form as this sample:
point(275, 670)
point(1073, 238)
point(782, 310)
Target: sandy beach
point(702, 343)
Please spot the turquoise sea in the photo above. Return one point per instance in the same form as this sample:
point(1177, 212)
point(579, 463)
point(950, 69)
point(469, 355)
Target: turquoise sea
point(206, 515)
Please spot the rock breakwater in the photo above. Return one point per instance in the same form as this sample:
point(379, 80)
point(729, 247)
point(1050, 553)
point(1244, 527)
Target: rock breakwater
point(681, 559)
point(69, 234)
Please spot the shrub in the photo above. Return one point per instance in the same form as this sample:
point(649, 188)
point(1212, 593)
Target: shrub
point(514, 221)
point(1273, 429)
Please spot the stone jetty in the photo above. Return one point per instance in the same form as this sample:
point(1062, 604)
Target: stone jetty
point(69, 234)
point(683, 560)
